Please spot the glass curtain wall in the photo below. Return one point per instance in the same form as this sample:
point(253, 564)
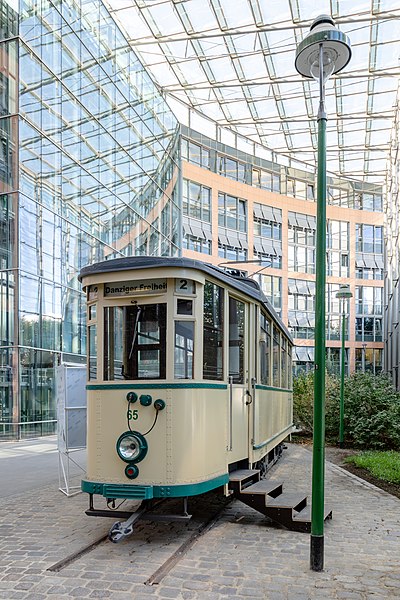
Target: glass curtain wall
point(96, 167)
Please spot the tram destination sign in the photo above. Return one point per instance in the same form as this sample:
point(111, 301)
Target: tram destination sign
point(130, 288)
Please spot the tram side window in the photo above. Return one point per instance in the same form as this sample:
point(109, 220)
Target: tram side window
point(284, 363)
point(265, 350)
point(184, 343)
point(290, 367)
point(236, 340)
point(276, 358)
point(92, 333)
point(213, 328)
point(135, 342)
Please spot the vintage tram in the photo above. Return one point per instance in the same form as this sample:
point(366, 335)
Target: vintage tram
point(189, 378)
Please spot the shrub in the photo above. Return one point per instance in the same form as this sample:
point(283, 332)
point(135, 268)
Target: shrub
point(371, 409)
point(303, 401)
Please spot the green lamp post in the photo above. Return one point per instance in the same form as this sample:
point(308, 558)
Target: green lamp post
point(343, 294)
point(323, 52)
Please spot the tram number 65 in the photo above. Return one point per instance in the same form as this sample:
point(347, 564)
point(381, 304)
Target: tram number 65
point(133, 414)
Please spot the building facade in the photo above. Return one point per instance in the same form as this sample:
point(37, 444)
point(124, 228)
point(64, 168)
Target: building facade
point(93, 165)
point(89, 170)
point(238, 206)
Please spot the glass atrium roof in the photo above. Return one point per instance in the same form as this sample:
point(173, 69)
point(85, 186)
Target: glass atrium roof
point(233, 61)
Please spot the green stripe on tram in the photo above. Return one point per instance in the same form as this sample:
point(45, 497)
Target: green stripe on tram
point(274, 389)
point(158, 386)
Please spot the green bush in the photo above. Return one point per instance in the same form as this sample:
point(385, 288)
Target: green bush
point(371, 409)
point(303, 400)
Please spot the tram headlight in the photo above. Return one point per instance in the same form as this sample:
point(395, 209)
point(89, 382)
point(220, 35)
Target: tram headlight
point(132, 447)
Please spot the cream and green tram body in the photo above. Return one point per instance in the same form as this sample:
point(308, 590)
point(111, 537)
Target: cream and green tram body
point(189, 378)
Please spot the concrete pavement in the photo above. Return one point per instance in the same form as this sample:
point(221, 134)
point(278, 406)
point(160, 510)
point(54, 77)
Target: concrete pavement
point(28, 465)
point(243, 556)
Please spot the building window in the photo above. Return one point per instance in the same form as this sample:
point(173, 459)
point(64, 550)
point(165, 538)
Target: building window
point(369, 308)
point(303, 359)
point(272, 288)
point(369, 300)
point(196, 200)
point(231, 253)
point(301, 243)
point(340, 197)
point(300, 189)
point(232, 212)
point(267, 229)
point(301, 305)
point(271, 260)
point(233, 169)
point(334, 313)
point(190, 242)
point(369, 238)
point(266, 180)
point(338, 248)
point(195, 154)
point(369, 359)
point(368, 201)
point(369, 273)
point(333, 360)
point(369, 329)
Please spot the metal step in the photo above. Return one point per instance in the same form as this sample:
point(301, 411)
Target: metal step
point(305, 514)
point(283, 508)
point(265, 487)
point(242, 474)
point(286, 508)
point(243, 478)
point(302, 520)
point(288, 500)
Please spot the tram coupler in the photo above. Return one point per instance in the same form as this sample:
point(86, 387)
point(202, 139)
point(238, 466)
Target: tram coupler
point(122, 529)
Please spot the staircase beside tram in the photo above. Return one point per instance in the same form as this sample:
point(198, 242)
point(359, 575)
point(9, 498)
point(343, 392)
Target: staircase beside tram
point(268, 497)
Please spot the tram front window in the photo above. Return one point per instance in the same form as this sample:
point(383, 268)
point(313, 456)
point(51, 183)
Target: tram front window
point(135, 342)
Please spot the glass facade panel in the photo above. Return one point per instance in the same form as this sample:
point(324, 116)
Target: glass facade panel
point(90, 167)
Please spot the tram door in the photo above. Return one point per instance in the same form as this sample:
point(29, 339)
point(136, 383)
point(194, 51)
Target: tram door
point(238, 375)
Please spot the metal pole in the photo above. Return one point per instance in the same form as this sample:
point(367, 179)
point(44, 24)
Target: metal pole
point(318, 459)
point(342, 368)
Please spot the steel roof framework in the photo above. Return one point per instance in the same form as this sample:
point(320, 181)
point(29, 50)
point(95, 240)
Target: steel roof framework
point(233, 62)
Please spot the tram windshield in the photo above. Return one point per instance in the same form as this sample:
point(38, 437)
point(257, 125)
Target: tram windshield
point(135, 342)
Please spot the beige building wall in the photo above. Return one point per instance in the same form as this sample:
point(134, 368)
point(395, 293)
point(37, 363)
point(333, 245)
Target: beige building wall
point(252, 195)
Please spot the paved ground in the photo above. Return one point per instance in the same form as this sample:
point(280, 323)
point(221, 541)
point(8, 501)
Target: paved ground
point(241, 557)
point(30, 464)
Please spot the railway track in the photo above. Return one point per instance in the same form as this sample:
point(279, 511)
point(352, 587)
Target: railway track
point(202, 529)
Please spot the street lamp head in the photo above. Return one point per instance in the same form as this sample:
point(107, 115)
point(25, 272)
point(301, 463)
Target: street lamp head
point(344, 292)
point(336, 51)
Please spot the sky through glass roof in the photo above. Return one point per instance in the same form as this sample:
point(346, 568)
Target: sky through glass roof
point(233, 62)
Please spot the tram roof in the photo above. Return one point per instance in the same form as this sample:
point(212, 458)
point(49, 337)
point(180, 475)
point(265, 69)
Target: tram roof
point(245, 285)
